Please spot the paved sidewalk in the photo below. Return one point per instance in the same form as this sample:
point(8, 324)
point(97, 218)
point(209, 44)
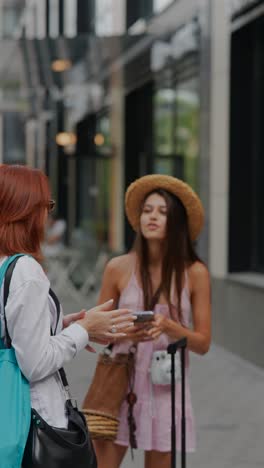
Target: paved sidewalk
point(228, 400)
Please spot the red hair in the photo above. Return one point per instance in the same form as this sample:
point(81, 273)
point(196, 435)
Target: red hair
point(24, 195)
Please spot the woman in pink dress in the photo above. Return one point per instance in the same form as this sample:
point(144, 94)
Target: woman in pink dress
point(164, 274)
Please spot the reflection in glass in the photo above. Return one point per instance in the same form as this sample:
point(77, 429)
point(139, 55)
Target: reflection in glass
point(159, 5)
point(14, 148)
point(187, 128)
point(102, 137)
point(94, 191)
point(164, 108)
point(9, 19)
point(176, 131)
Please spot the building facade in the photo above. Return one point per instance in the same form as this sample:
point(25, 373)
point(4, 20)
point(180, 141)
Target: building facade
point(238, 288)
point(13, 104)
point(165, 86)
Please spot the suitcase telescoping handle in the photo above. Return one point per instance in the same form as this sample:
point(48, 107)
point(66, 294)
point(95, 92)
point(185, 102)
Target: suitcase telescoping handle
point(172, 349)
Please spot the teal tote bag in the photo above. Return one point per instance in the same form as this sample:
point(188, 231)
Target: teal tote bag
point(15, 406)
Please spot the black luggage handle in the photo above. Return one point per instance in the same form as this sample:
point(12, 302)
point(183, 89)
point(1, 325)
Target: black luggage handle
point(172, 349)
point(180, 344)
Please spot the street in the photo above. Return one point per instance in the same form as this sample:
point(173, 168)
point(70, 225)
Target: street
point(228, 404)
point(136, 126)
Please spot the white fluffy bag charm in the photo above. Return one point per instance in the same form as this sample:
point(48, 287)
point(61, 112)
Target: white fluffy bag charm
point(160, 369)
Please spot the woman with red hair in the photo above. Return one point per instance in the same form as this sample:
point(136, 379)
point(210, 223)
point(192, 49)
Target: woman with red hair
point(30, 310)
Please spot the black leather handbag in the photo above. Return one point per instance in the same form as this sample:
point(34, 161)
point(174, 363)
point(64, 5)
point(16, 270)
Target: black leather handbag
point(52, 447)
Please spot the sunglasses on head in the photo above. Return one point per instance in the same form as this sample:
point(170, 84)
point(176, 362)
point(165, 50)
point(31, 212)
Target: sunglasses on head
point(51, 205)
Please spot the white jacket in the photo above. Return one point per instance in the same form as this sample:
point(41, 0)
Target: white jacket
point(30, 312)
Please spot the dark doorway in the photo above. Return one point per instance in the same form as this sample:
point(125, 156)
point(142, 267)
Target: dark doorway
point(138, 139)
point(246, 208)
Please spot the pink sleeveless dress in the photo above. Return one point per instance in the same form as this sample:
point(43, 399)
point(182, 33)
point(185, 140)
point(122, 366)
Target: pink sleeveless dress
point(152, 410)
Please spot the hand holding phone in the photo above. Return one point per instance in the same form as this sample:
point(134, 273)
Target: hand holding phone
point(144, 316)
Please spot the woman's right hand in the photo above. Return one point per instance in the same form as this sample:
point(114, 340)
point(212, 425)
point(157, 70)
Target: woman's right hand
point(102, 323)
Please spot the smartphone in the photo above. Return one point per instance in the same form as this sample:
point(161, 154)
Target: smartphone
point(144, 316)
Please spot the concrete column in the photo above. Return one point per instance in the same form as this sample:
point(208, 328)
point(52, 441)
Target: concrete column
point(116, 238)
point(204, 133)
point(219, 141)
point(53, 153)
point(71, 195)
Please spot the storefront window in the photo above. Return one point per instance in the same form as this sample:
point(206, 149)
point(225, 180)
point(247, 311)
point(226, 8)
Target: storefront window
point(13, 148)
point(176, 131)
point(187, 128)
point(94, 182)
point(246, 221)
point(94, 176)
point(159, 5)
point(102, 136)
point(110, 17)
point(164, 115)
point(9, 20)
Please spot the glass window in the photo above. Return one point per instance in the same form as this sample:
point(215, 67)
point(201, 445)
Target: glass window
point(110, 17)
point(41, 13)
point(70, 18)
point(102, 136)
point(159, 5)
point(94, 175)
point(164, 115)
point(54, 18)
point(138, 9)
point(94, 198)
point(13, 148)
point(176, 131)
point(10, 20)
point(246, 220)
point(187, 128)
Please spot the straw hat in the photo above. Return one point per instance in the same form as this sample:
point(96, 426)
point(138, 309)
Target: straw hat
point(138, 190)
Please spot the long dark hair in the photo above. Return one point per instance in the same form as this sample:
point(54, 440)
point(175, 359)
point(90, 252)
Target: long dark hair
point(179, 254)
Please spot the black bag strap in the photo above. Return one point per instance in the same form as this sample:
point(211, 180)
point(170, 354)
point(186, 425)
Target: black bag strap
point(58, 309)
point(8, 276)
point(57, 305)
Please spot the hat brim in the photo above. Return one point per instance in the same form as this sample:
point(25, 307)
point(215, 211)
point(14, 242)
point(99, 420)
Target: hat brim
point(138, 190)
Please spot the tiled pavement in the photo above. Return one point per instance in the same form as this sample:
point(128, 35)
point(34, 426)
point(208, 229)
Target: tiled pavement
point(228, 400)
